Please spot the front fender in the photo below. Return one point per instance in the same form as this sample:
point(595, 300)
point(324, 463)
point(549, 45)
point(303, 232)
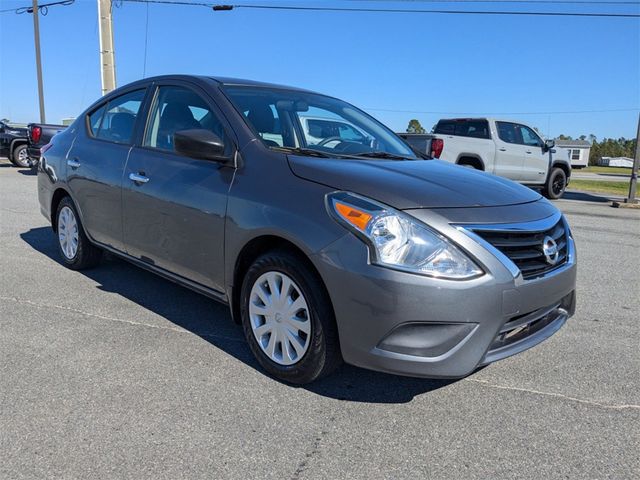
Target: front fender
point(267, 199)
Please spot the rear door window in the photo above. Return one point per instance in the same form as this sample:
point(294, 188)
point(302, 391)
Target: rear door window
point(464, 128)
point(508, 132)
point(95, 119)
point(119, 119)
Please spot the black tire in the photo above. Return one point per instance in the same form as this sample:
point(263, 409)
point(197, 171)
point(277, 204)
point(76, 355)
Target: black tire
point(556, 184)
point(18, 152)
point(323, 353)
point(87, 255)
point(469, 163)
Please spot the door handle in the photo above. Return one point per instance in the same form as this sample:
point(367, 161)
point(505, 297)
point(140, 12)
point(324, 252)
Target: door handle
point(73, 163)
point(529, 152)
point(138, 178)
point(502, 149)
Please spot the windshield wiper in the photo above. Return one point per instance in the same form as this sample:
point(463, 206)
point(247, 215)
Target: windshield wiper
point(305, 151)
point(381, 154)
point(317, 153)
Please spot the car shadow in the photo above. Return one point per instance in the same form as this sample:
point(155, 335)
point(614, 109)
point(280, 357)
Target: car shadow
point(212, 322)
point(28, 171)
point(585, 196)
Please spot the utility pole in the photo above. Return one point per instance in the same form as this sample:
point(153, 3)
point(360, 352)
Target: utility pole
point(107, 52)
point(36, 34)
point(633, 183)
point(631, 201)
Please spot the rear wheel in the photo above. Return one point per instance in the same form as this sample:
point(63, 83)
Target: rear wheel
point(77, 251)
point(556, 184)
point(19, 157)
point(470, 162)
point(287, 319)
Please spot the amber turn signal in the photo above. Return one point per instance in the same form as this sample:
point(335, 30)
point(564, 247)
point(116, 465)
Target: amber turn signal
point(355, 217)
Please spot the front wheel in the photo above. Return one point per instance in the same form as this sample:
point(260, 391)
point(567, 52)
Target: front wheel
point(19, 157)
point(556, 184)
point(77, 252)
point(287, 319)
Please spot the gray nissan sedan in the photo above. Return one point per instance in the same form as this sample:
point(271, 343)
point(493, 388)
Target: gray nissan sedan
point(327, 235)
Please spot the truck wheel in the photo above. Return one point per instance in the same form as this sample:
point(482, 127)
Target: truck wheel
point(19, 156)
point(288, 320)
point(556, 184)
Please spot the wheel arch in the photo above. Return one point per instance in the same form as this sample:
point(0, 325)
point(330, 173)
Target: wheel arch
point(16, 142)
point(563, 166)
point(471, 159)
point(56, 198)
point(250, 252)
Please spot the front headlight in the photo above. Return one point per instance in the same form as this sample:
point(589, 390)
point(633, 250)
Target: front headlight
point(398, 241)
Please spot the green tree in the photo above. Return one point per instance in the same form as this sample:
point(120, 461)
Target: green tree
point(594, 153)
point(610, 147)
point(415, 127)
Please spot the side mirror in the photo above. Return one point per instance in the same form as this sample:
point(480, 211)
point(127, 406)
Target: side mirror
point(548, 145)
point(199, 143)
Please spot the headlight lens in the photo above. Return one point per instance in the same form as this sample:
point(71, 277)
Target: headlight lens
point(397, 241)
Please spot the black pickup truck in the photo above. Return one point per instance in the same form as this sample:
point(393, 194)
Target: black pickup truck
point(13, 144)
point(39, 135)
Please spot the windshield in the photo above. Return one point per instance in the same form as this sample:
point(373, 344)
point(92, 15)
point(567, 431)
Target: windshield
point(304, 121)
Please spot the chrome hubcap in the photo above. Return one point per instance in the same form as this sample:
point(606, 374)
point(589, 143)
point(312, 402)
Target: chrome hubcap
point(22, 154)
point(280, 318)
point(68, 233)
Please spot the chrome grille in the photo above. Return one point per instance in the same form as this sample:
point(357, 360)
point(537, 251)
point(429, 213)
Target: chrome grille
point(525, 249)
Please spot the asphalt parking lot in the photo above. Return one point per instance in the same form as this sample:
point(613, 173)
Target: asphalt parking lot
point(116, 373)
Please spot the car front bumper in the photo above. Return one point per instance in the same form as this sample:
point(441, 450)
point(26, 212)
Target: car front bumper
point(414, 325)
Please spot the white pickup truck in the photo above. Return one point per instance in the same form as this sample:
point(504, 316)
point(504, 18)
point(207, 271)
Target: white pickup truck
point(508, 149)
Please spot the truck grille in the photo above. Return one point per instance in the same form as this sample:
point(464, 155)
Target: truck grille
point(526, 249)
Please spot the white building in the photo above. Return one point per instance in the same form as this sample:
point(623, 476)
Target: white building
point(577, 151)
point(616, 162)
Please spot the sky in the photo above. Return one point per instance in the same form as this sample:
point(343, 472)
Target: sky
point(394, 66)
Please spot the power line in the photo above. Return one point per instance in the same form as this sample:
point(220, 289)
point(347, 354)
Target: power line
point(171, 2)
point(530, 2)
point(43, 8)
point(433, 11)
point(146, 42)
point(387, 10)
point(565, 112)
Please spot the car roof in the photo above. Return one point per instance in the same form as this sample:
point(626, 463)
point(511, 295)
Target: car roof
point(464, 119)
point(221, 81)
point(253, 83)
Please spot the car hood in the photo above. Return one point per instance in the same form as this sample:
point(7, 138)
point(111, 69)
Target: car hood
point(409, 184)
